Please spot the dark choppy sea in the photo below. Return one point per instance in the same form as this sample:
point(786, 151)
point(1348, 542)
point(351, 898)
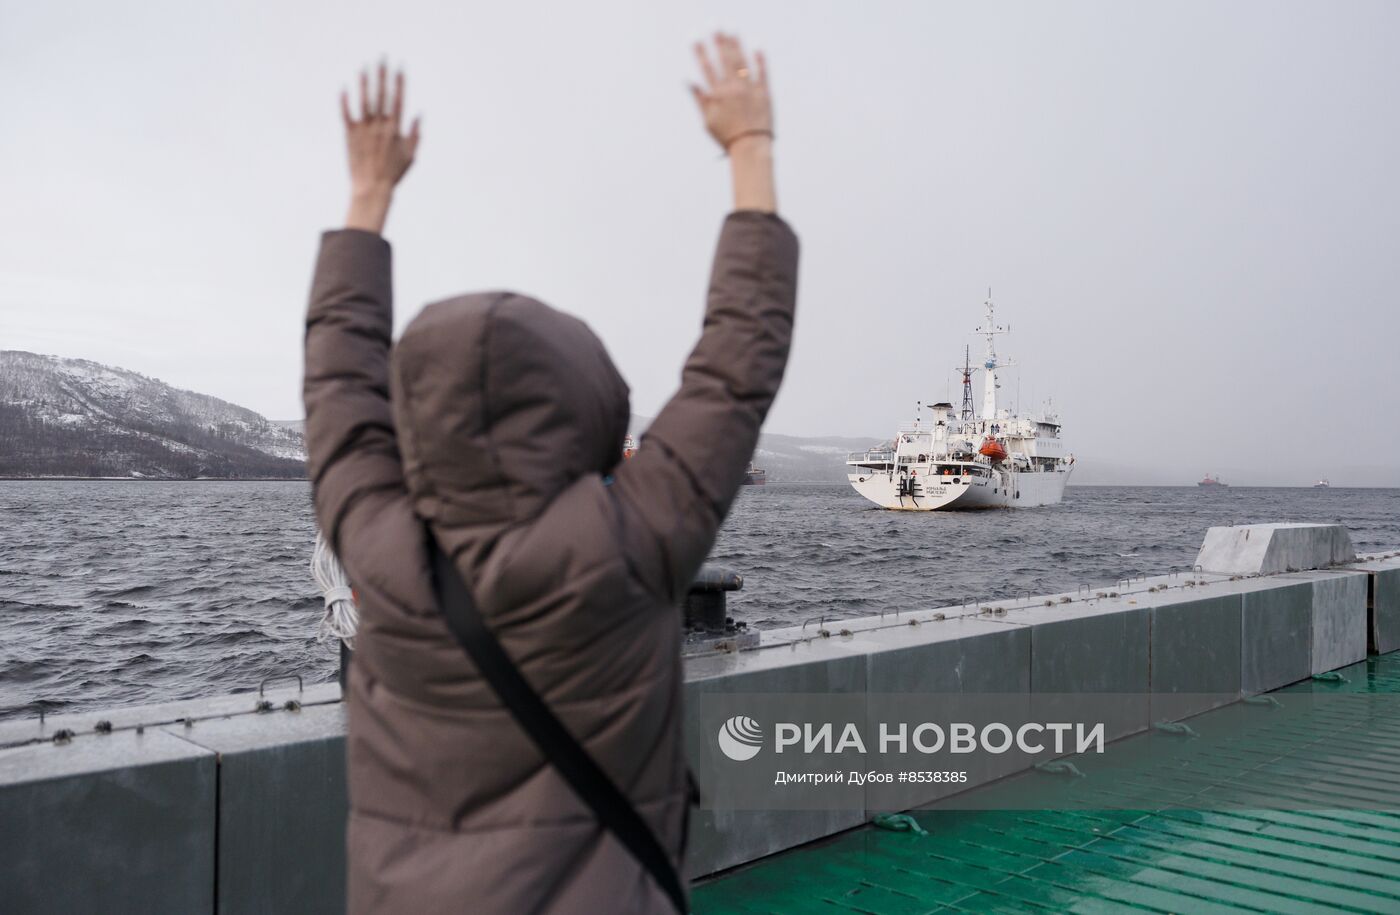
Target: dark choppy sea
point(115, 593)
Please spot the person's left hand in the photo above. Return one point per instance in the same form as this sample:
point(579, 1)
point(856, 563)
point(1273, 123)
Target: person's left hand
point(380, 153)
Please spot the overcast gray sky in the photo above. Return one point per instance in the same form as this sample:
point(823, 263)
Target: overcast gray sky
point(1188, 212)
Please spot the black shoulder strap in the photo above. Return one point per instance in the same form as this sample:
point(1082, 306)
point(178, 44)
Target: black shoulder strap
point(612, 808)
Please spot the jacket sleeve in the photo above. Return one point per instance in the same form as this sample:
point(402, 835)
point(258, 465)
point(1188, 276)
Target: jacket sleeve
point(674, 494)
point(352, 455)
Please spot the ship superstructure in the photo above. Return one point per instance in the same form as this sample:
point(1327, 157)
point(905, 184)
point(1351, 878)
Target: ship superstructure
point(947, 458)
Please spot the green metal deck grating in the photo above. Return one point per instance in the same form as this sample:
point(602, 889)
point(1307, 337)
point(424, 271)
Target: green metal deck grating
point(1241, 854)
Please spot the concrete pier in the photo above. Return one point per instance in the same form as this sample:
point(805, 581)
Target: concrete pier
point(198, 806)
point(237, 803)
point(1383, 599)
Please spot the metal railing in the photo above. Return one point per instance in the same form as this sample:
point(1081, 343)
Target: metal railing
point(871, 457)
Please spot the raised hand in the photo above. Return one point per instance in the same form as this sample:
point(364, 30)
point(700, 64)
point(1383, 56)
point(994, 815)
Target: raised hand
point(734, 100)
point(380, 152)
point(738, 113)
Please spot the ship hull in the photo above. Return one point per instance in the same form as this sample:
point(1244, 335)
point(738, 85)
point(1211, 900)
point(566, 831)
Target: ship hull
point(1005, 489)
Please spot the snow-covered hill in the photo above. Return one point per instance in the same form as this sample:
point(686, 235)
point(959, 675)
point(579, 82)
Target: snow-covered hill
point(72, 417)
point(793, 458)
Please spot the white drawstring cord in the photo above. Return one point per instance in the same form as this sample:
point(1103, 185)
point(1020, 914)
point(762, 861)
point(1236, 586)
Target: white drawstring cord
point(342, 617)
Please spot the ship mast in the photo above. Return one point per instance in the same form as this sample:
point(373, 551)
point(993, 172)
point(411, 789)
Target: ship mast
point(967, 412)
point(990, 329)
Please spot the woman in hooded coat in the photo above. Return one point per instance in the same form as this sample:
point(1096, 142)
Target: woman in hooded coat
point(494, 427)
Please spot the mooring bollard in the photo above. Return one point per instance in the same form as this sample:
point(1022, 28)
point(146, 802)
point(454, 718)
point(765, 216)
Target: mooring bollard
point(709, 627)
point(705, 603)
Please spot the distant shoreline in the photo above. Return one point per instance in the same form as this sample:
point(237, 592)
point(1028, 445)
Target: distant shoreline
point(1073, 485)
point(57, 479)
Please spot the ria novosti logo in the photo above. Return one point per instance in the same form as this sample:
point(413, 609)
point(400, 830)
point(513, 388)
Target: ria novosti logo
point(741, 738)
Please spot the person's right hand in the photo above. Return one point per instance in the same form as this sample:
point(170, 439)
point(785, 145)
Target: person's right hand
point(380, 153)
point(739, 115)
point(734, 100)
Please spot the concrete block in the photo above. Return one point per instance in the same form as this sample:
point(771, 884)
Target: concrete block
point(1383, 604)
point(957, 669)
point(862, 624)
point(1195, 653)
point(81, 723)
point(1173, 580)
point(1338, 617)
point(1268, 548)
point(723, 838)
point(282, 809)
point(953, 656)
point(1276, 627)
point(1276, 636)
point(1097, 650)
point(111, 823)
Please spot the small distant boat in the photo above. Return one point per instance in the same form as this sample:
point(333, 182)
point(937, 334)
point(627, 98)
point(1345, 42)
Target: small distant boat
point(1211, 482)
point(755, 476)
point(1322, 484)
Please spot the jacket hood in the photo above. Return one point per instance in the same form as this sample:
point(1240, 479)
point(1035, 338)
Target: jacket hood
point(500, 402)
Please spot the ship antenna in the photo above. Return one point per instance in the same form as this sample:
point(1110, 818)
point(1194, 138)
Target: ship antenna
point(990, 329)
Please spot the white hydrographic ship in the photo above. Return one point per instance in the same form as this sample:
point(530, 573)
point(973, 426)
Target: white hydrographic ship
point(963, 459)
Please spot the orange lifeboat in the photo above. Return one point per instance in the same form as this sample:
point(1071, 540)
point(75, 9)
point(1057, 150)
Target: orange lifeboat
point(993, 449)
